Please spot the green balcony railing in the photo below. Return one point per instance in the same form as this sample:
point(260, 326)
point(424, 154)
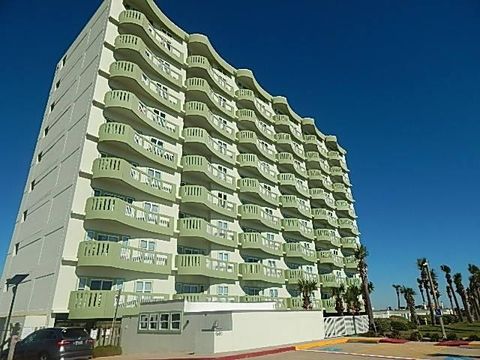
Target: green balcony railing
point(295, 204)
point(284, 142)
point(117, 216)
point(293, 275)
point(132, 47)
point(298, 227)
point(202, 265)
point(249, 118)
point(199, 164)
point(125, 106)
point(131, 21)
point(280, 303)
point(296, 303)
point(259, 241)
point(130, 75)
point(327, 257)
point(248, 140)
point(200, 228)
point(199, 111)
point(254, 187)
point(289, 180)
point(200, 195)
point(260, 272)
point(200, 85)
point(201, 62)
point(101, 304)
point(316, 178)
point(299, 250)
point(348, 225)
point(328, 236)
point(113, 255)
point(353, 281)
point(337, 159)
point(330, 280)
point(200, 136)
point(315, 161)
point(283, 123)
point(252, 164)
point(120, 176)
point(350, 243)
point(329, 305)
point(135, 146)
point(350, 262)
point(247, 98)
point(250, 212)
point(286, 160)
point(345, 207)
point(319, 194)
point(325, 216)
point(194, 297)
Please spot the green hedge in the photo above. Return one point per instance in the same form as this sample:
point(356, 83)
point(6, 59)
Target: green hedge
point(108, 350)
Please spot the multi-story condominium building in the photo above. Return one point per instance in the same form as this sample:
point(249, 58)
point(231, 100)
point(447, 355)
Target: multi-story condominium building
point(163, 172)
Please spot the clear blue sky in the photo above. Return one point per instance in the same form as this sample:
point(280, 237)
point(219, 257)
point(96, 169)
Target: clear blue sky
point(397, 81)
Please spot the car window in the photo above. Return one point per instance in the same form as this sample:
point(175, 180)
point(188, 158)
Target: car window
point(35, 336)
point(74, 333)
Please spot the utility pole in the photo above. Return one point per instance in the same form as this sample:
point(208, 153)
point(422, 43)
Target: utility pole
point(435, 299)
point(15, 281)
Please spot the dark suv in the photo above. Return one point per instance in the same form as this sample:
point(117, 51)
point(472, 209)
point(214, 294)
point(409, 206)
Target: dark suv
point(55, 343)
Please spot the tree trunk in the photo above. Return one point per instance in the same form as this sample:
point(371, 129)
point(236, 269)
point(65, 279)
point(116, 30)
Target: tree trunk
point(429, 304)
point(366, 299)
point(398, 299)
point(459, 311)
point(354, 324)
point(449, 293)
point(463, 295)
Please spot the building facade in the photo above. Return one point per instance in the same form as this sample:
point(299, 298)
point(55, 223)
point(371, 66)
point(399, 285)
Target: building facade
point(163, 172)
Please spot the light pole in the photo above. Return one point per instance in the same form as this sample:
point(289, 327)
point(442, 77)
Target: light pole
point(435, 299)
point(14, 281)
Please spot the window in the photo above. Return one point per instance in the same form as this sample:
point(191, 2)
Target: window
point(144, 287)
point(222, 146)
point(101, 284)
point(24, 216)
point(223, 256)
point(32, 185)
point(222, 228)
point(164, 321)
point(157, 174)
point(147, 245)
point(222, 290)
point(153, 322)
point(143, 322)
point(39, 157)
point(16, 248)
point(64, 60)
point(272, 263)
point(222, 199)
point(57, 84)
point(45, 131)
point(52, 106)
point(274, 293)
point(189, 251)
point(176, 318)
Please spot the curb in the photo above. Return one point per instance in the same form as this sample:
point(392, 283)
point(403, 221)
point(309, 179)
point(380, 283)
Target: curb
point(363, 355)
point(320, 343)
point(245, 355)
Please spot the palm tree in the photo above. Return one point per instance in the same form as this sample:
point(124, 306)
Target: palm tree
point(371, 287)
point(449, 294)
point(457, 279)
point(475, 285)
point(420, 287)
point(424, 277)
point(448, 276)
point(361, 255)
point(338, 295)
point(473, 303)
point(306, 288)
point(397, 290)
point(351, 298)
point(409, 295)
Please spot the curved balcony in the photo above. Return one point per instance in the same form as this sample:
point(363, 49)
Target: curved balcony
point(330, 281)
point(120, 177)
point(346, 180)
point(260, 242)
point(296, 229)
point(125, 107)
point(131, 47)
point(336, 173)
point(293, 275)
point(134, 22)
point(325, 217)
point(246, 99)
point(202, 172)
point(314, 161)
point(201, 201)
point(284, 124)
point(101, 304)
point(353, 281)
point(123, 141)
point(290, 184)
point(254, 216)
point(284, 142)
point(344, 208)
point(280, 303)
point(294, 206)
point(250, 166)
point(195, 228)
point(289, 164)
point(348, 227)
point(262, 273)
point(350, 243)
point(316, 178)
point(199, 89)
point(245, 76)
point(350, 263)
point(332, 144)
point(248, 120)
point(254, 190)
point(248, 142)
point(201, 265)
point(281, 103)
point(193, 297)
point(312, 143)
point(299, 252)
point(114, 259)
point(198, 113)
point(296, 303)
point(199, 44)
point(199, 66)
point(342, 191)
point(116, 216)
point(327, 257)
point(320, 197)
point(202, 143)
point(328, 237)
point(329, 305)
point(127, 75)
point(337, 159)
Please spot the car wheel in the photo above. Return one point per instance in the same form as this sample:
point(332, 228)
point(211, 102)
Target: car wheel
point(44, 356)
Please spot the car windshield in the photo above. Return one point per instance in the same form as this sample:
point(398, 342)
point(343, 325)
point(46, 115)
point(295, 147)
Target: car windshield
point(74, 333)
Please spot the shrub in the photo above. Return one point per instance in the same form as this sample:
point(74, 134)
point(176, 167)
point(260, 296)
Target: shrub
point(473, 338)
point(108, 350)
point(415, 336)
point(383, 326)
point(395, 334)
point(449, 318)
point(452, 336)
point(400, 325)
point(426, 335)
point(435, 337)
